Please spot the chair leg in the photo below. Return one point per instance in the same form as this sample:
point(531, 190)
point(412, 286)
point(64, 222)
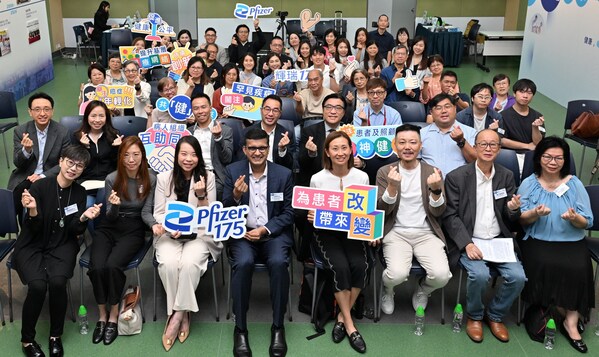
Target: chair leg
point(6, 152)
point(2, 313)
point(314, 287)
point(374, 288)
point(443, 306)
point(215, 296)
point(289, 305)
point(457, 300)
point(222, 269)
point(579, 169)
point(10, 314)
point(154, 292)
point(519, 311)
point(229, 294)
point(141, 304)
point(378, 311)
point(81, 286)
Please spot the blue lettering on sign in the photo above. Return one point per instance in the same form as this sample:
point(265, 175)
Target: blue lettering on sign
point(243, 11)
point(221, 223)
point(180, 107)
point(162, 104)
point(338, 221)
point(355, 201)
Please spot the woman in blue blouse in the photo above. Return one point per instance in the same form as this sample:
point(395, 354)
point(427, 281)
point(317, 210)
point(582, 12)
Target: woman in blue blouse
point(556, 210)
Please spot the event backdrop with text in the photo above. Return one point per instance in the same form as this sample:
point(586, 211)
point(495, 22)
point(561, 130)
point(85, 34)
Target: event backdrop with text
point(560, 52)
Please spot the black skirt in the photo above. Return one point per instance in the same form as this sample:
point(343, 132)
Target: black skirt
point(559, 274)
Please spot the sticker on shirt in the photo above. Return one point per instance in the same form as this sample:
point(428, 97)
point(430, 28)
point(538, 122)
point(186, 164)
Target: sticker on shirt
point(561, 189)
point(69, 210)
point(500, 193)
point(276, 197)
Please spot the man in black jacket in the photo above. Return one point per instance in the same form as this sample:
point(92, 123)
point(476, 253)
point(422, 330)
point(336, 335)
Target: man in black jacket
point(240, 44)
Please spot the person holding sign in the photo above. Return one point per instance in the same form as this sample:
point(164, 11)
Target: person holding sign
point(398, 70)
point(347, 258)
point(129, 201)
point(141, 104)
point(556, 210)
point(283, 89)
point(183, 259)
point(96, 74)
point(276, 46)
point(230, 75)
point(482, 204)
point(46, 251)
point(411, 194)
point(268, 189)
point(167, 88)
point(240, 44)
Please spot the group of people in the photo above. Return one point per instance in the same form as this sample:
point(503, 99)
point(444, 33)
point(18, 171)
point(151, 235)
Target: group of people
point(442, 193)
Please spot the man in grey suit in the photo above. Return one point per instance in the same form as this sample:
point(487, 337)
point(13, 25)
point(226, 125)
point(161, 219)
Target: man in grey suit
point(215, 139)
point(37, 147)
point(481, 203)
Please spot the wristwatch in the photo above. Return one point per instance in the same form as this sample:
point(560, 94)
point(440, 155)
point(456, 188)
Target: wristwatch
point(137, 87)
point(461, 143)
point(435, 192)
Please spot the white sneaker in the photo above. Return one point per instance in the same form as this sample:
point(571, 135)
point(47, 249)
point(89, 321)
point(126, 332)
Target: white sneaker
point(420, 298)
point(387, 301)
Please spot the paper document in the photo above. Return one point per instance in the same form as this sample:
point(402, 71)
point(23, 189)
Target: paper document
point(92, 184)
point(497, 250)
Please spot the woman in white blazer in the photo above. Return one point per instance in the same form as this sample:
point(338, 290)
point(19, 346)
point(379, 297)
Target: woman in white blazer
point(183, 259)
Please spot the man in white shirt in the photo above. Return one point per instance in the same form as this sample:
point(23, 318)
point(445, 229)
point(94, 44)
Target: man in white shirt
point(411, 194)
point(309, 100)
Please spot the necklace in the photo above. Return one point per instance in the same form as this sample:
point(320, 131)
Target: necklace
point(60, 209)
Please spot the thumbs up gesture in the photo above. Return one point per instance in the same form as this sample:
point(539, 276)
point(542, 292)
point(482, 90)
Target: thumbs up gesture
point(408, 82)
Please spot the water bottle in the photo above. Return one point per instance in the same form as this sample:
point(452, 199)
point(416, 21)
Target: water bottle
point(83, 324)
point(419, 322)
point(458, 315)
point(550, 334)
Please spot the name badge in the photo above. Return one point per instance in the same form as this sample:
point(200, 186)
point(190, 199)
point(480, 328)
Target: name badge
point(561, 189)
point(501, 131)
point(500, 193)
point(276, 197)
point(69, 210)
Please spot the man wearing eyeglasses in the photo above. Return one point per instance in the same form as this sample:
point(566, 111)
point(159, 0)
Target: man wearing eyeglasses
point(445, 144)
point(37, 146)
point(276, 46)
point(281, 142)
point(479, 116)
point(309, 100)
point(267, 188)
point(396, 71)
point(482, 204)
point(376, 112)
point(210, 36)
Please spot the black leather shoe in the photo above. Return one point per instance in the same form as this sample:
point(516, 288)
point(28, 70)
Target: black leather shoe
point(278, 345)
point(33, 350)
point(578, 345)
point(111, 332)
point(357, 342)
point(241, 344)
point(55, 347)
point(580, 326)
point(98, 334)
point(338, 332)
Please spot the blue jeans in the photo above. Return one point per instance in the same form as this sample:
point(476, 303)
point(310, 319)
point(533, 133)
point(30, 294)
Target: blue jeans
point(478, 278)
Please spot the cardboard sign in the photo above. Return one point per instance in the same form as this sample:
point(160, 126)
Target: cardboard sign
point(306, 19)
point(243, 11)
point(291, 75)
point(220, 222)
point(179, 107)
point(159, 143)
point(368, 141)
point(408, 82)
point(154, 26)
point(179, 58)
point(352, 65)
point(114, 96)
point(352, 210)
point(245, 101)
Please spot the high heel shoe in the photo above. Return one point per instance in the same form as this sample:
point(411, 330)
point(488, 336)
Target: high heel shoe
point(167, 342)
point(184, 330)
point(578, 345)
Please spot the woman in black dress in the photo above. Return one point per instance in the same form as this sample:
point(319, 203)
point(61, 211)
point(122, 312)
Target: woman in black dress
point(100, 20)
point(46, 251)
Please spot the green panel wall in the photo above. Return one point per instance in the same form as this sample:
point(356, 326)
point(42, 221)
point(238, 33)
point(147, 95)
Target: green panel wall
point(327, 8)
point(118, 8)
point(522, 15)
point(461, 8)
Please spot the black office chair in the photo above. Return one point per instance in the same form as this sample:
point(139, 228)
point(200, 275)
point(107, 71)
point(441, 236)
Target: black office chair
point(154, 94)
point(593, 242)
point(471, 40)
point(72, 123)
point(321, 27)
point(288, 111)
point(238, 139)
point(294, 26)
point(83, 41)
point(410, 111)
point(528, 167)
point(129, 125)
point(8, 225)
point(119, 37)
point(8, 110)
point(509, 159)
point(575, 108)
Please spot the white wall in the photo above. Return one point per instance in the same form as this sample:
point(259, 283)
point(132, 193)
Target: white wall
point(486, 23)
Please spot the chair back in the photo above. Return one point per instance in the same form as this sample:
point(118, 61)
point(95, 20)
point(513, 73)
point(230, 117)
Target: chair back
point(473, 33)
point(288, 111)
point(288, 125)
point(509, 159)
point(8, 106)
point(237, 127)
point(129, 125)
point(528, 167)
point(8, 223)
point(410, 111)
point(294, 26)
point(80, 35)
point(309, 122)
point(120, 37)
point(72, 123)
point(88, 25)
point(154, 95)
point(593, 192)
point(577, 107)
point(321, 27)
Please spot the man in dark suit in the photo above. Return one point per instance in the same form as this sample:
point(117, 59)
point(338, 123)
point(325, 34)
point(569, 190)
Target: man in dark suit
point(282, 145)
point(481, 204)
point(276, 46)
point(267, 188)
point(240, 44)
point(37, 147)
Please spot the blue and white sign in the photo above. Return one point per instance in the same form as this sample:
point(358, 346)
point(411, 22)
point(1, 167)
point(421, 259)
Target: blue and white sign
point(243, 11)
point(180, 107)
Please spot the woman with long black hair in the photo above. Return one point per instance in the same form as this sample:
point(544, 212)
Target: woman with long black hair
point(100, 21)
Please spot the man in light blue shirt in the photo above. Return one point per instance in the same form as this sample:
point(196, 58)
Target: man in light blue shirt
point(376, 112)
point(445, 144)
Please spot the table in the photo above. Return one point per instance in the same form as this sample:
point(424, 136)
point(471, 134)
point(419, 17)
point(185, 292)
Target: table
point(104, 46)
point(448, 44)
point(501, 43)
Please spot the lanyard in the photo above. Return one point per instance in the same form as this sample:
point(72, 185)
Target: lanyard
point(384, 115)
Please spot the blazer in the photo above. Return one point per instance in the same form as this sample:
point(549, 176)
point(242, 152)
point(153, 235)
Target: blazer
point(310, 165)
point(221, 153)
point(291, 152)
point(58, 138)
point(460, 190)
point(433, 214)
point(467, 117)
point(164, 194)
point(279, 180)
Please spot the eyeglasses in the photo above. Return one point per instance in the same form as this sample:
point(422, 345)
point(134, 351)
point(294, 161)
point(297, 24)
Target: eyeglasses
point(39, 110)
point(482, 97)
point(548, 158)
point(253, 149)
point(441, 107)
point(70, 163)
point(196, 68)
point(377, 93)
point(169, 89)
point(329, 107)
point(271, 110)
point(484, 145)
point(131, 71)
point(210, 35)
